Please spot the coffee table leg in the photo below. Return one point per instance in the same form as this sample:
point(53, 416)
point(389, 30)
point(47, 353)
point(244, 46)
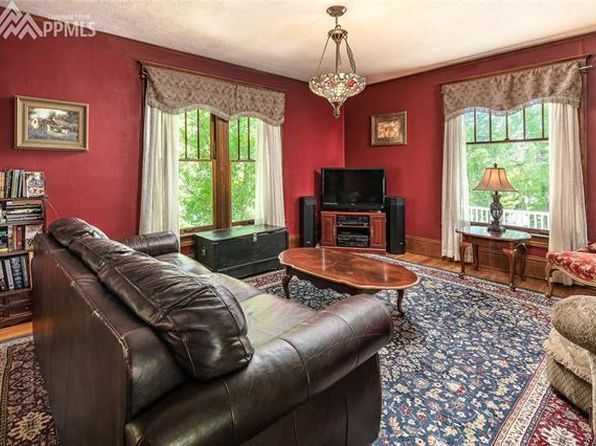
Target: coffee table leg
point(400, 301)
point(286, 282)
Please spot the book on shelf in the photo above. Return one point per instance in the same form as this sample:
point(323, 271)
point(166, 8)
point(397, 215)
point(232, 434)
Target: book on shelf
point(14, 273)
point(18, 238)
point(31, 232)
point(19, 183)
point(22, 210)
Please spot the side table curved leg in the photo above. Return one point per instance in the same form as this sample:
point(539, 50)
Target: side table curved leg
point(463, 245)
point(511, 257)
point(521, 252)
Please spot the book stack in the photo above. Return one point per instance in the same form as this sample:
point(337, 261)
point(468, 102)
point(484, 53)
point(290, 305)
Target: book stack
point(24, 210)
point(14, 273)
point(18, 183)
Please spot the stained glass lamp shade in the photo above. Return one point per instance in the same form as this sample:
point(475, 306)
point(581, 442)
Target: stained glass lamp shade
point(337, 86)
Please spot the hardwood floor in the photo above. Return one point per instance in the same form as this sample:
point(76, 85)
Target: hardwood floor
point(537, 285)
point(484, 273)
point(16, 331)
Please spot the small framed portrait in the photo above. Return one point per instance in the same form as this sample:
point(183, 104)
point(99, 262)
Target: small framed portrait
point(388, 129)
point(46, 124)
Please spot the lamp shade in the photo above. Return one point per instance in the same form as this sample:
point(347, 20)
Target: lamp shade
point(495, 178)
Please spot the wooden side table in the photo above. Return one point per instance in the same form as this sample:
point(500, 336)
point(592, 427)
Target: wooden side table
point(511, 243)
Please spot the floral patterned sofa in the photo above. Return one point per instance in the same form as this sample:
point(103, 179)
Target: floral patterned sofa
point(571, 351)
point(579, 265)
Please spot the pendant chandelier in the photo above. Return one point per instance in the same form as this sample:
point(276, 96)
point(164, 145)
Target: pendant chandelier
point(337, 86)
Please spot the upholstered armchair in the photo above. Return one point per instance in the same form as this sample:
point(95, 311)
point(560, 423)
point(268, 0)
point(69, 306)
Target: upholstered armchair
point(579, 265)
point(571, 352)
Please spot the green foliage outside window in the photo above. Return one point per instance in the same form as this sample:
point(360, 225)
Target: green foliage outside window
point(526, 162)
point(242, 145)
point(243, 191)
point(195, 176)
point(196, 169)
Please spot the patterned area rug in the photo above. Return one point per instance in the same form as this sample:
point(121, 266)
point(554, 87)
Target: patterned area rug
point(466, 367)
point(25, 416)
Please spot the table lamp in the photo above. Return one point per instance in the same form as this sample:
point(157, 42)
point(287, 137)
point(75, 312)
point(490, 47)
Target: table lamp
point(495, 179)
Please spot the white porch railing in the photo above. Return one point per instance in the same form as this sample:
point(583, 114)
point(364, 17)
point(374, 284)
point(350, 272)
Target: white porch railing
point(527, 219)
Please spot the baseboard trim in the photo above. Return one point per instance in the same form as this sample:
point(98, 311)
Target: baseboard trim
point(488, 259)
point(425, 246)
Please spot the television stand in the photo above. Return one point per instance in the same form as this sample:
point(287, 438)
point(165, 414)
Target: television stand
point(356, 231)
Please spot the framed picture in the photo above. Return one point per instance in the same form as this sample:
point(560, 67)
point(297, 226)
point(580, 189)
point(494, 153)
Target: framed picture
point(388, 129)
point(46, 124)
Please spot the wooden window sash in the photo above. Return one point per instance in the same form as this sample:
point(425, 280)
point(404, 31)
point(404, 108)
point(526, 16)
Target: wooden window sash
point(219, 156)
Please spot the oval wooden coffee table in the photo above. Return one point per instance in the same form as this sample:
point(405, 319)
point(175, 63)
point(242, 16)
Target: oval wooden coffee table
point(345, 272)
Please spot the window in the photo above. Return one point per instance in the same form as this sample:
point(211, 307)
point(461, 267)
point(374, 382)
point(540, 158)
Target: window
point(216, 191)
point(196, 168)
point(518, 142)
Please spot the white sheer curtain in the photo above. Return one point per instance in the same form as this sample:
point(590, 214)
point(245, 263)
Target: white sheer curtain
point(159, 190)
point(269, 198)
point(455, 186)
point(567, 205)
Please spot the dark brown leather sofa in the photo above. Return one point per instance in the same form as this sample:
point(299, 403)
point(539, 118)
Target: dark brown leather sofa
point(313, 378)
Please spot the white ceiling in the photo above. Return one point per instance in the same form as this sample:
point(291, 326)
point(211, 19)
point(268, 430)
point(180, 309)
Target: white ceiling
point(390, 38)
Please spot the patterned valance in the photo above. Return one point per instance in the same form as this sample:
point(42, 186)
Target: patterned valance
point(559, 82)
point(174, 91)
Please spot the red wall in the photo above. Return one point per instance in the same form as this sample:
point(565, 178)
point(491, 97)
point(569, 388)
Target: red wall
point(102, 185)
point(414, 170)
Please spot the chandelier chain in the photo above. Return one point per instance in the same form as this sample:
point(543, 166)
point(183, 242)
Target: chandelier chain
point(322, 55)
point(350, 56)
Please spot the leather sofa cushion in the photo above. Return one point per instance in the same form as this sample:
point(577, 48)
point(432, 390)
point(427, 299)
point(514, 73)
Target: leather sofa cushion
point(183, 262)
point(201, 321)
point(96, 252)
point(67, 230)
point(241, 290)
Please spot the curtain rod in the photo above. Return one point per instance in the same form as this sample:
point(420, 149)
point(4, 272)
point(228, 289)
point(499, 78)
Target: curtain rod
point(212, 76)
point(522, 68)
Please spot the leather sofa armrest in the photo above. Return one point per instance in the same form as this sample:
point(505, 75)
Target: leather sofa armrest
point(282, 375)
point(154, 244)
point(575, 319)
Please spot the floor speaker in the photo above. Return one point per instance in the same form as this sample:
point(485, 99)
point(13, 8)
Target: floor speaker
point(307, 221)
point(395, 210)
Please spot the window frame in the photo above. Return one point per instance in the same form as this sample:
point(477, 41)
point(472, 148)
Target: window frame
point(490, 140)
point(540, 233)
point(221, 163)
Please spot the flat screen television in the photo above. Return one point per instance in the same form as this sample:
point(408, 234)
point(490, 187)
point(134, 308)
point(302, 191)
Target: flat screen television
point(352, 189)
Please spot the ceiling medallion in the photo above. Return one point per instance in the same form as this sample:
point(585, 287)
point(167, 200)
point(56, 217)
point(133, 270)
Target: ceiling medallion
point(338, 86)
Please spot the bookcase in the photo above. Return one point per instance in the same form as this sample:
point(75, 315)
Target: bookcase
point(22, 217)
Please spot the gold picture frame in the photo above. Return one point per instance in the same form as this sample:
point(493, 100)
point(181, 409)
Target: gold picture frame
point(48, 124)
point(389, 129)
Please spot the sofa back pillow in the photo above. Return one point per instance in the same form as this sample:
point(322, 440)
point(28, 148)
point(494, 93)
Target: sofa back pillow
point(67, 230)
point(96, 252)
point(202, 322)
